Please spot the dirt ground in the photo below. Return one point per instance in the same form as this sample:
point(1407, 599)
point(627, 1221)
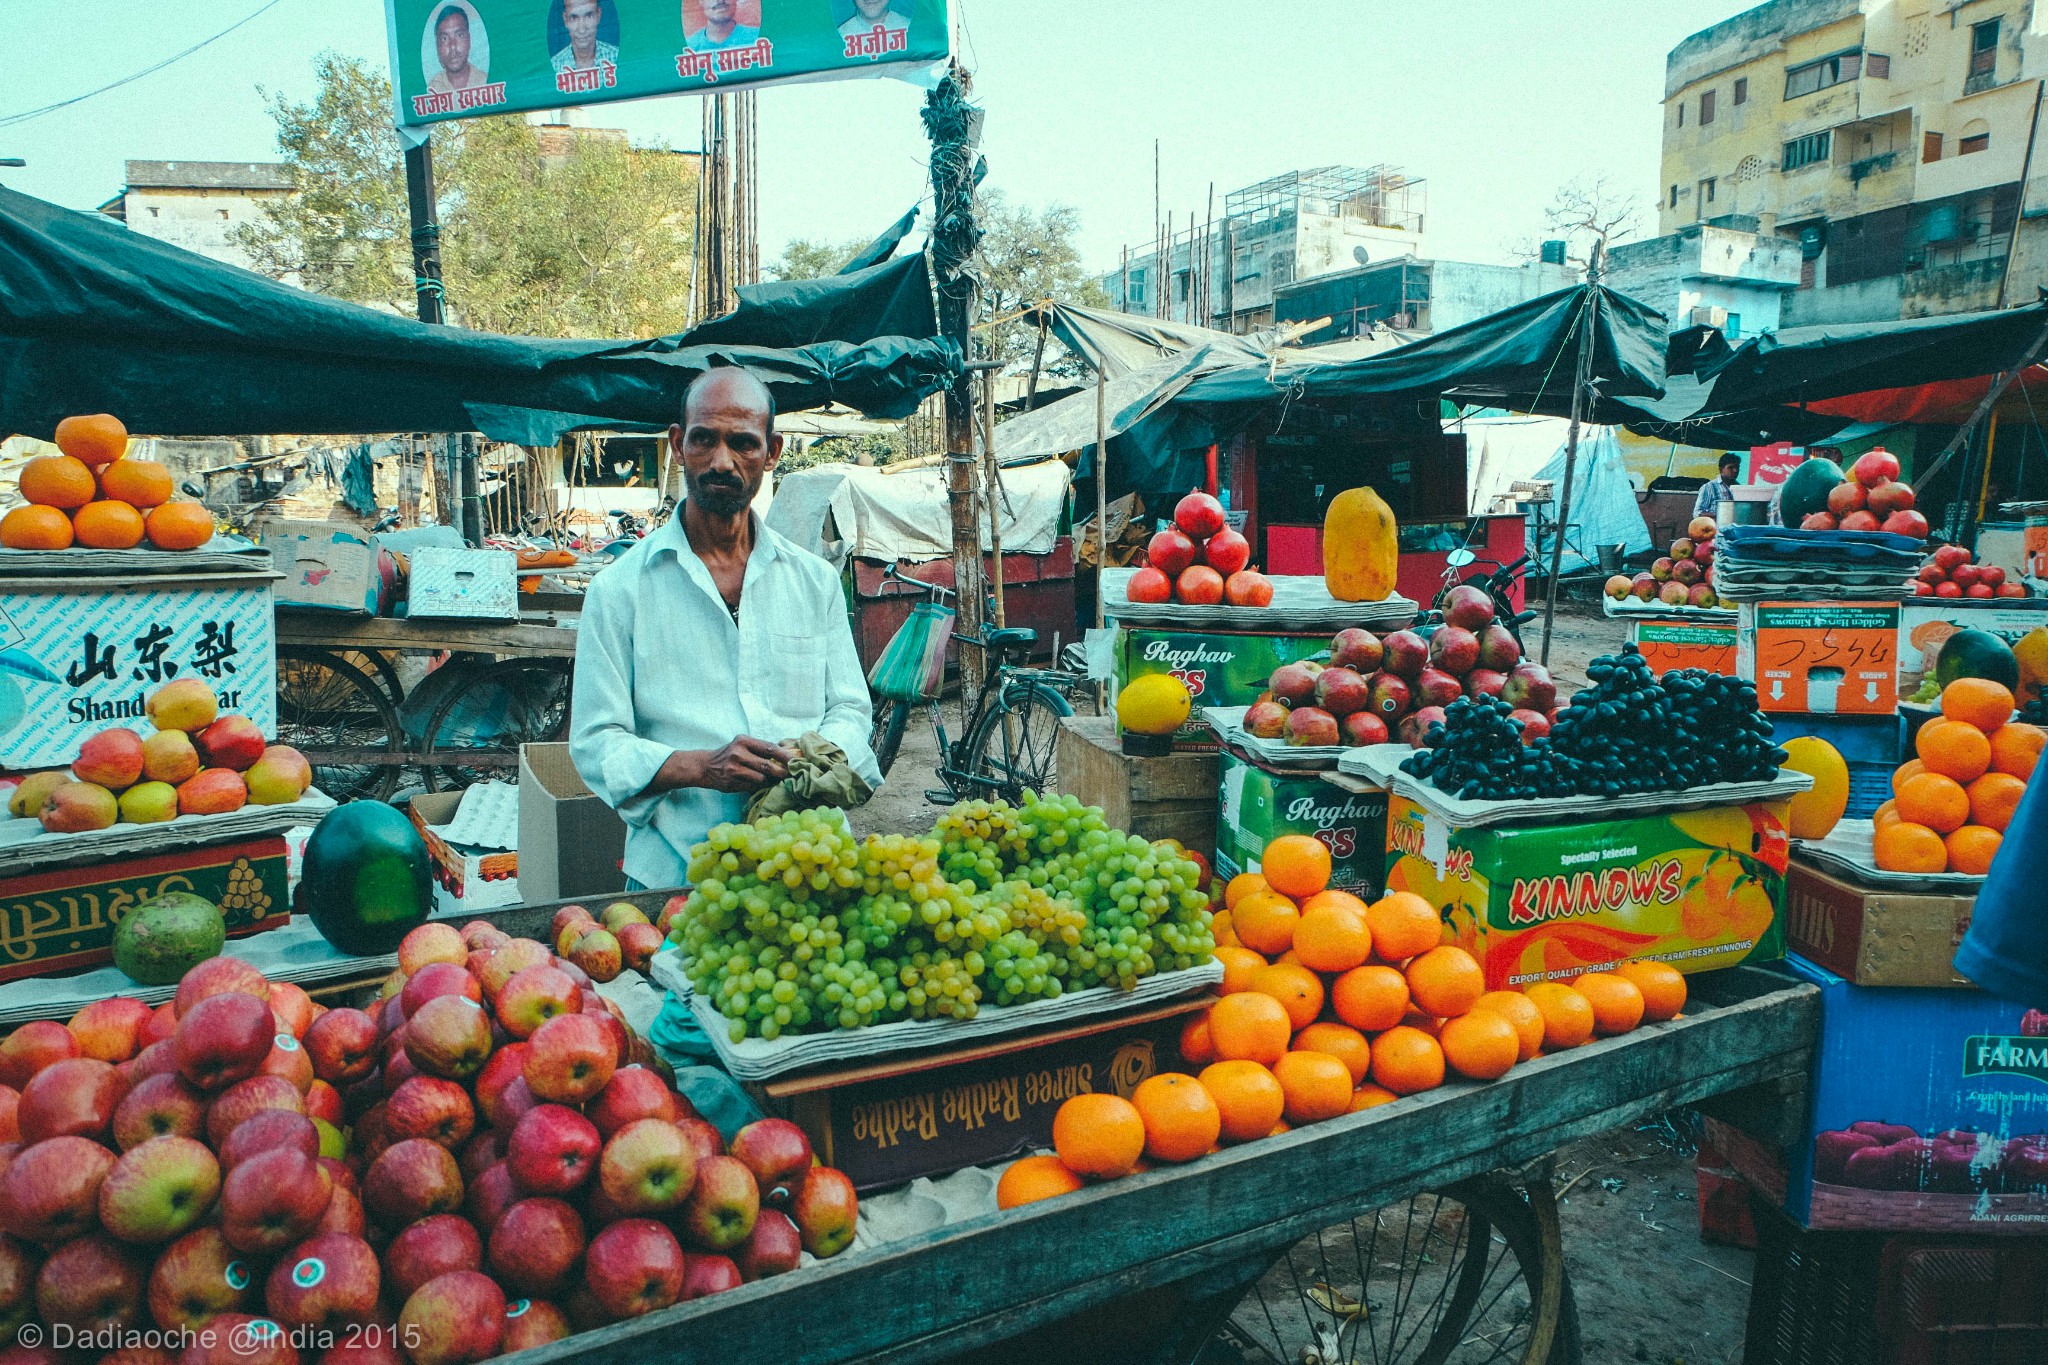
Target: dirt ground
point(1648, 1288)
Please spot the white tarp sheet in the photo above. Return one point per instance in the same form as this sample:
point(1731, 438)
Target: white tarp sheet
point(837, 510)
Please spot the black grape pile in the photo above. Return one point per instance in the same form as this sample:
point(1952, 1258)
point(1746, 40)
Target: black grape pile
point(1629, 732)
point(2035, 712)
point(796, 925)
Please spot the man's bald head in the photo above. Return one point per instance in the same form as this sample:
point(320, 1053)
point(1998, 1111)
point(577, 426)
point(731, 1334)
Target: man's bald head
point(726, 441)
point(728, 384)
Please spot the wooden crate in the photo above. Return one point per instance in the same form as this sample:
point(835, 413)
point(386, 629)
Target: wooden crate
point(1174, 797)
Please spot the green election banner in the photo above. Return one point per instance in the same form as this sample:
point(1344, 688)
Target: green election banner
point(453, 59)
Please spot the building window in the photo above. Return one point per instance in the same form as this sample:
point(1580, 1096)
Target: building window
point(1976, 137)
point(1804, 80)
point(1681, 113)
point(1930, 146)
point(1806, 151)
point(1674, 196)
point(1706, 195)
point(1877, 65)
point(1732, 329)
point(1706, 108)
point(1983, 57)
point(1742, 90)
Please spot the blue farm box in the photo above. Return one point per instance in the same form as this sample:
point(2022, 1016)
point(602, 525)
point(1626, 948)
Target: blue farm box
point(1929, 1112)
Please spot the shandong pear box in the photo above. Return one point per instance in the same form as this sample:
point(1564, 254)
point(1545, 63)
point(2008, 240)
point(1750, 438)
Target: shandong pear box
point(1698, 889)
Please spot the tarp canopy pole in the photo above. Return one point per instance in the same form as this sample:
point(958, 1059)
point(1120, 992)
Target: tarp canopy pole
point(1582, 380)
point(1101, 487)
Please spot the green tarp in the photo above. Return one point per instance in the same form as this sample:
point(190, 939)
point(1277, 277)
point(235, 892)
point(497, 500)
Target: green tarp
point(893, 299)
point(94, 317)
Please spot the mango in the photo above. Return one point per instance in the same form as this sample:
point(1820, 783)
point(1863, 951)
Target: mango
point(182, 704)
point(75, 807)
point(149, 803)
point(230, 742)
point(214, 791)
point(278, 778)
point(168, 756)
point(27, 801)
point(111, 759)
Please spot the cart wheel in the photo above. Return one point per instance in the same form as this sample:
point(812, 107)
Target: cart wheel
point(475, 733)
point(377, 664)
point(337, 715)
point(1012, 750)
point(890, 718)
point(1462, 1276)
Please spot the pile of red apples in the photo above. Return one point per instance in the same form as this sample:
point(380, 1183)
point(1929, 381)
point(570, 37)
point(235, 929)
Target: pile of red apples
point(1375, 688)
point(1199, 561)
point(486, 1160)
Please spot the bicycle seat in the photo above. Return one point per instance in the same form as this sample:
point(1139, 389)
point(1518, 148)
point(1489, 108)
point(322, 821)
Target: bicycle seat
point(1013, 637)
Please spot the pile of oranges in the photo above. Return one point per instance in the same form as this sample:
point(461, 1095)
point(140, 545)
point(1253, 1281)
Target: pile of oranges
point(1952, 801)
point(93, 496)
point(1328, 1006)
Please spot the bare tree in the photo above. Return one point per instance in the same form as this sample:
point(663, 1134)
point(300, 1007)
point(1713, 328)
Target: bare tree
point(1595, 210)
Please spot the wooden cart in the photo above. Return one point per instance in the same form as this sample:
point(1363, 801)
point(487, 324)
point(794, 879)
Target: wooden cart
point(1180, 1264)
point(343, 698)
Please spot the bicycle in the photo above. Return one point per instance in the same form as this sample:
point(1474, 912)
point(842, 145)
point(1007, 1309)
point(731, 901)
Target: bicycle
point(1010, 731)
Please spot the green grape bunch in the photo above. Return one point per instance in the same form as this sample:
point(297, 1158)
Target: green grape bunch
point(795, 925)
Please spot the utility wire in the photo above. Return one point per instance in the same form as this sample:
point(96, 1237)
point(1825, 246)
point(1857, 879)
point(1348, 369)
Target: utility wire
point(9, 120)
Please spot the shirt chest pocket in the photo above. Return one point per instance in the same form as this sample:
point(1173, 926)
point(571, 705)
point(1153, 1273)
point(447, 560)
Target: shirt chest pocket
point(795, 673)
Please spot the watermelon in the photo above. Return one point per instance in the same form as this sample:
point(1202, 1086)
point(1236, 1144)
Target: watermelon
point(1806, 489)
point(1976, 654)
point(366, 879)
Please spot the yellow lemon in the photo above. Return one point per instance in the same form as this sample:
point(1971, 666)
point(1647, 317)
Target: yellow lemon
point(1815, 813)
point(1156, 704)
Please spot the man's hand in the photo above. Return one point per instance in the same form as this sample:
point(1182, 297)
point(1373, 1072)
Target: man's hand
point(745, 765)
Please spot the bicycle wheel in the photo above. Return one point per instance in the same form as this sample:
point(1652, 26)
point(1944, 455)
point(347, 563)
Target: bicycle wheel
point(1462, 1276)
point(475, 733)
point(338, 716)
point(890, 719)
point(1013, 747)
point(377, 664)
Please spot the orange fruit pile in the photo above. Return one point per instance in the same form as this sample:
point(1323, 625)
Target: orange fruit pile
point(92, 495)
point(1328, 1006)
point(1952, 801)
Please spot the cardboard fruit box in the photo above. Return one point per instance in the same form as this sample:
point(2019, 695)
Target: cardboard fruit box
point(1261, 803)
point(928, 1115)
point(64, 920)
point(1219, 668)
point(1874, 937)
point(1928, 1112)
point(1699, 889)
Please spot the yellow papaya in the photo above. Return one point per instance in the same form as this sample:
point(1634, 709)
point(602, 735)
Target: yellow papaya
point(2031, 653)
point(1361, 547)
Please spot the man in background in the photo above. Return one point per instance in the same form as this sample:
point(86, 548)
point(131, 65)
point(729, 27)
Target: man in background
point(1719, 490)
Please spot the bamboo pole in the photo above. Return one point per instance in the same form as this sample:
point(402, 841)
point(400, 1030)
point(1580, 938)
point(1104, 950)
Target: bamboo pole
point(1582, 380)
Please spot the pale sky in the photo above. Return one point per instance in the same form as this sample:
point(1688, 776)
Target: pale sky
point(1494, 105)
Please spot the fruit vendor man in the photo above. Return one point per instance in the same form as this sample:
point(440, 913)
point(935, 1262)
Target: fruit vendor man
point(709, 645)
point(701, 652)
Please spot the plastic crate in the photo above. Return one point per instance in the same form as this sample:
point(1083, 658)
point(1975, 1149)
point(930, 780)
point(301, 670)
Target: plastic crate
point(1814, 1295)
point(1872, 746)
point(1976, 1301)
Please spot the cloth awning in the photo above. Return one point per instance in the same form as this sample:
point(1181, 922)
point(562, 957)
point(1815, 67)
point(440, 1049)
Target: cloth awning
point(95, 317)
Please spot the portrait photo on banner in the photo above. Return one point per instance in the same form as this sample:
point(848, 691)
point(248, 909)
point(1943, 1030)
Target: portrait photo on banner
point(455, 48)
point(856, 17)
point(716, 25)
point(583, 34)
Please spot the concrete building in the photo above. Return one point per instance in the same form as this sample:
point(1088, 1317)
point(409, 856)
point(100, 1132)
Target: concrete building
point(1295, 226)
point(196, 204)
point(1725, 274)
point(1886, 139)
point(1408, 294)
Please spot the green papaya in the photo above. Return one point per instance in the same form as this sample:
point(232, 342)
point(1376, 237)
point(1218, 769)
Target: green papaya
point(160, 940)
point(366, 879)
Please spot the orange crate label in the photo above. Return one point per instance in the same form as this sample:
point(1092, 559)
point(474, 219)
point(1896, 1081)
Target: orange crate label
point(1835, 658)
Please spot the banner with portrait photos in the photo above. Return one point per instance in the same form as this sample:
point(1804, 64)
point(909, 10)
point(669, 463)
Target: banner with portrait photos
point(453, 59)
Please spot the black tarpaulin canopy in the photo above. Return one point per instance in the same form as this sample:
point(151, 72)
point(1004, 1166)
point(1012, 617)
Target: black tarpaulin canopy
point(1521, 358)
point(1809, 364)
point(94, 317)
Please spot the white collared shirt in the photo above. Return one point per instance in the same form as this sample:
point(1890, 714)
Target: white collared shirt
point(661, 665)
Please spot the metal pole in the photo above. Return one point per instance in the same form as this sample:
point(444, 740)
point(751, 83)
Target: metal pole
point(991, 487)
point(1582, 380)
point(1037, 359)
point(426, 230)
point(1101, 488)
